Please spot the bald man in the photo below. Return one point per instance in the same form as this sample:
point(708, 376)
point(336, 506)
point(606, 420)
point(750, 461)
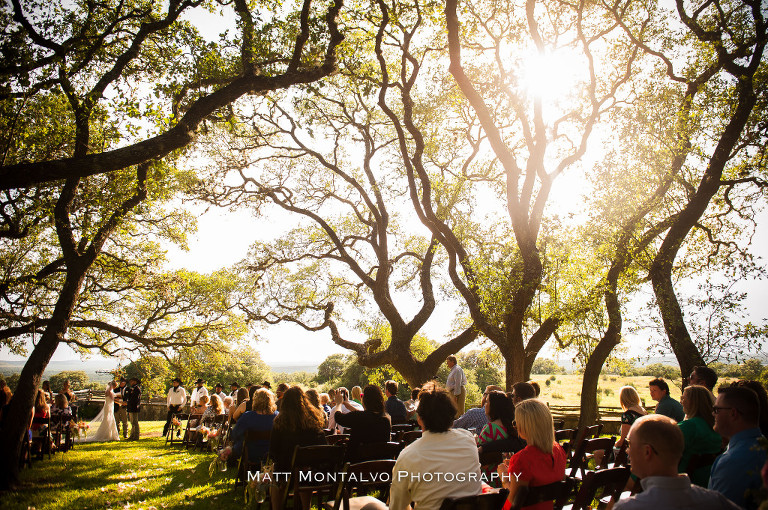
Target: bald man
point(655, 447)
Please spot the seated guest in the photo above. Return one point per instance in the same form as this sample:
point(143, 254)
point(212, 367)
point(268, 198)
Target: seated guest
point(228, 401)
point(522, 391)
point(703, 376)
point(357, 395)
point(369, 426)
point(667, 405)
point(325, 401)
point(697, 431)
point(61, 408)
point(441, 449)
point(281, 389)
point(501, 415)
point(241, 404)
point(344, 405)
point(655, 448)
point(541, 462)
point(736, 473)
point(762, 397)
point(196, 412)
point(314, 399)
point(261, 417)
point(632, 410)
point(299, 423)
point(71, 398)
point(41, 410)
point(48, 392)
point(395, 407)
point(476, 418)
point(412, 405)
point(536, 387)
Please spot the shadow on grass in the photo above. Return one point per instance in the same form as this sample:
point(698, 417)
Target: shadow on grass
point(112, 475)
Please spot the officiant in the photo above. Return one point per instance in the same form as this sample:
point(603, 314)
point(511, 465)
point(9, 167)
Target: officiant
point(132, 398)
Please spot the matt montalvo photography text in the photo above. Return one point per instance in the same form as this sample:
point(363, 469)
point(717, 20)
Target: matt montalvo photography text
point(341, 476)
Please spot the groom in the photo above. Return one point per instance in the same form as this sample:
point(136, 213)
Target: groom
point(132, 398)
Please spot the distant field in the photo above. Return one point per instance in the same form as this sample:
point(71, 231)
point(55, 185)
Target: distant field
point(566, 389)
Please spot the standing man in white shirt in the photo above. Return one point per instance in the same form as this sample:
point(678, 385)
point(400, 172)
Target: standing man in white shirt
point(198, 392)
point(456, 384)
point(177, 398)
point(220, 391)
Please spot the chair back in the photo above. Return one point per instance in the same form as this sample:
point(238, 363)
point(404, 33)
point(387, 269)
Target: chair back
point(489, 501)
point(363, 477)
point(622, 457)
point(587, 447)
point(401, 428)
point(411, 436)
point(559, 424)
point(245, 463)
point(601, 484)
point(376, 451)
point(700, 460)
point(319, 460)
point(337, 439)
point(557, 492)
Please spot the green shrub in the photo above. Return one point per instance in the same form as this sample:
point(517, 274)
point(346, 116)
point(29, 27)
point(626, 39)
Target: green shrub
point(558, 396)
point(553, 378)
point(548, 382)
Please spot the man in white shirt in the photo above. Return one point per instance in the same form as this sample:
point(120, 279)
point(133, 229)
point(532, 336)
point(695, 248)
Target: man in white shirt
point(456, 384)
point(177, 398)
point(442, 463)
point(220, 391)
point(198, 392)
point(344, 405)
point(655, 448)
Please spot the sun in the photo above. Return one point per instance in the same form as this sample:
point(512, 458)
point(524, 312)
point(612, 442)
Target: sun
point(552, 76)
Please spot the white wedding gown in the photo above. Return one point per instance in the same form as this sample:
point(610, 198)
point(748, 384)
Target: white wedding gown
point(107, 430)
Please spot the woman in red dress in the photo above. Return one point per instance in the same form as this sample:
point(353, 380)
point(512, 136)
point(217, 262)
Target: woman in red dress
point(541, 462)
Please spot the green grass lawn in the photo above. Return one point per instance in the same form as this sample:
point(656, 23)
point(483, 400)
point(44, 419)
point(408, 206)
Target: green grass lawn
point(144, 474)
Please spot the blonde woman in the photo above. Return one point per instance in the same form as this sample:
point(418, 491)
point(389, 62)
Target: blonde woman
point(260, 418)
point(541, 462)
point(357, 394)
point(632, 410)
point(697, 430)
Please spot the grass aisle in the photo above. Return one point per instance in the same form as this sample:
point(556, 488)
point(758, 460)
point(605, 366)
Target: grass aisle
point(144, 474)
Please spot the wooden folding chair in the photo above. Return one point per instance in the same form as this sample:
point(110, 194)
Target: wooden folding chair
point(565, 437)
point(401, 428)
point(559, 424)
point(174, 436)
point(586, 451)
point(606, 485)
point(317, 460)
point(337, 439)
point(410, 436)
point(362, 477)
point(375, 451)
point(187, 439)
point(43, 436)
point(583, 433)
point(557, 492)
point(246, 464)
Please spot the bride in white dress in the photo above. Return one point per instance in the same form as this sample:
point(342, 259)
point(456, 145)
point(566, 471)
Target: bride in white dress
point(107, 430)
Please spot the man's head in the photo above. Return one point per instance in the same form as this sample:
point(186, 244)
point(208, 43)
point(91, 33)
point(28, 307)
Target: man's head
point(391, 387)
point(123, 382)
point(703, 376)
point(659, 388)
point(219, 387)
point(488, 390)
point(281, 389)
point(655, 446)
point(436, 408)
point(175, 382)
point(450, 361)
point(522, 391)
point(234, 386)
point(133, 381)
point(200, 383)
point(737, 408)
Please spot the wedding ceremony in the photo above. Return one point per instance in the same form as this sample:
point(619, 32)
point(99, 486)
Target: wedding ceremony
point(384, 255)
